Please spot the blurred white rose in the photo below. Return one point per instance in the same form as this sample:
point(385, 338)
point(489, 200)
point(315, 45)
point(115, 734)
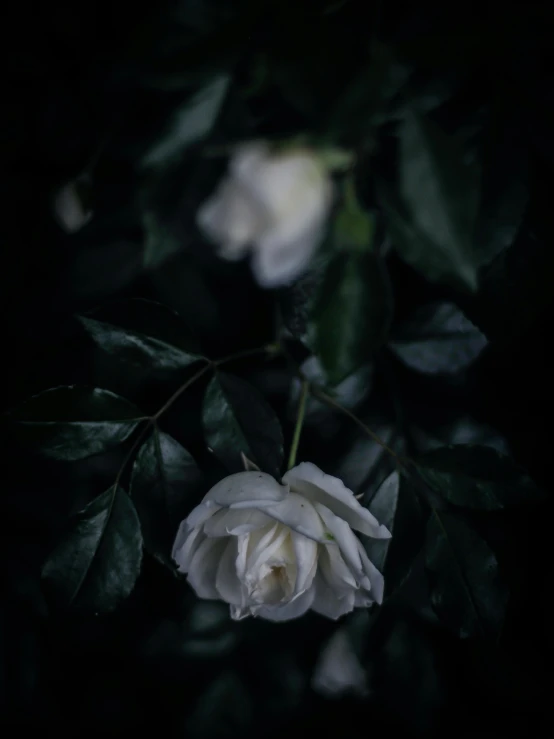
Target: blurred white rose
point(338, 670)
point(69, 207)
point(273, 203)
point(276, 551)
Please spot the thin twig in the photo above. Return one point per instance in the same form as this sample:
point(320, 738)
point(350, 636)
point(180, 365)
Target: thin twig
point(333, 403)
point(269, 350)
point(209, 364)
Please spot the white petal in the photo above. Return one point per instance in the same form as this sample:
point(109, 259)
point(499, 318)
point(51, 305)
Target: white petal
point(187, 542)
point(288, 611)
point(310, 481)
point(231, 218)
point(298, 514)
point(247, 490)
point(235, 522)
point(347, 542)
point(305, 553)
point(227, 583)
point(203, 568)
point(327, 603)
point(376, 579)
point(248, 159)
point(69, 208)
point(338, 669)
point(277, 261)
point(263, 545)
point(202, 513)
point(335, 570)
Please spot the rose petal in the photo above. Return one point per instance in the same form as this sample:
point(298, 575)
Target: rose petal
point(203, 568)
point(247, 490)
point(277, 261)
point(338, 669)
point(376, 579)
point(305, 553)
point(227, 583)
point(231, 218)
point(310, 481)
point(235, 522)
point(346, 540)
point(335, 570)
point(202, 513)
point(326, 601)
point(298, 514)
point(263, 545)
point(287, 611)
point(187, 542)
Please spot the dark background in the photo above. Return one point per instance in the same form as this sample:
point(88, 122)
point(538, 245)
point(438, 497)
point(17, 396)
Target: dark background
point(77, 76)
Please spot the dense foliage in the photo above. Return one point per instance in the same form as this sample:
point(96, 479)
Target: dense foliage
point(140, 368)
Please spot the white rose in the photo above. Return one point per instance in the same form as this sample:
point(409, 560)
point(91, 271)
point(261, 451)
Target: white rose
point(276, 551)
point(274, 203)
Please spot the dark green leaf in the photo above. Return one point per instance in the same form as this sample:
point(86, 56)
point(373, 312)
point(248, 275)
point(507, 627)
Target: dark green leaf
point(467, 592)
point(191, 123)
point(143, 334)
point(237, 419)
point(352, 314)
point(224, 710)
point(439, 191)
point(431, 433)
point(365, 99)
point(395, 504)
point(73, 422)
point(165, 485)
point(97, 562)
point(160, 242)
point(438, 339)
point(477, 477)
point(406, 673)
point(506, 180)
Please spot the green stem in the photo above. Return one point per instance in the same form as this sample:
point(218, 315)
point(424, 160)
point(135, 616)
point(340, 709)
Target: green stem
point(299, 423)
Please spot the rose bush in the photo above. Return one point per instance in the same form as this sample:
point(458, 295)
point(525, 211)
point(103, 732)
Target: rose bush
point(276, 550)
point(275, 203)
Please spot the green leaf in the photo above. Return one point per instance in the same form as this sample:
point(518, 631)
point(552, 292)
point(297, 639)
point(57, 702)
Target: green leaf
point(224, 710)
point(477, 477)
point(192, 122)
point(352, 314)
point(165, 484)
point(354, 227)
point(72, 422)
point(467, 592)
point(395, 504)
point(439, 190)
point(160, 242)
point(506, 179)
point(143, 334)
point(365, 99)
point(97, 562)
point(437, 339)
point(238, 420)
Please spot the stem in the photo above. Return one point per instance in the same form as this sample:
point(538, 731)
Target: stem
point(209, 364)
point(271, 349)
point(131, 451)
point(299, 423)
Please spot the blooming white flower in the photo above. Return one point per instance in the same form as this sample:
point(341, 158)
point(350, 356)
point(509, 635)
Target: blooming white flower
point(275, 203)
point(276, 550)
